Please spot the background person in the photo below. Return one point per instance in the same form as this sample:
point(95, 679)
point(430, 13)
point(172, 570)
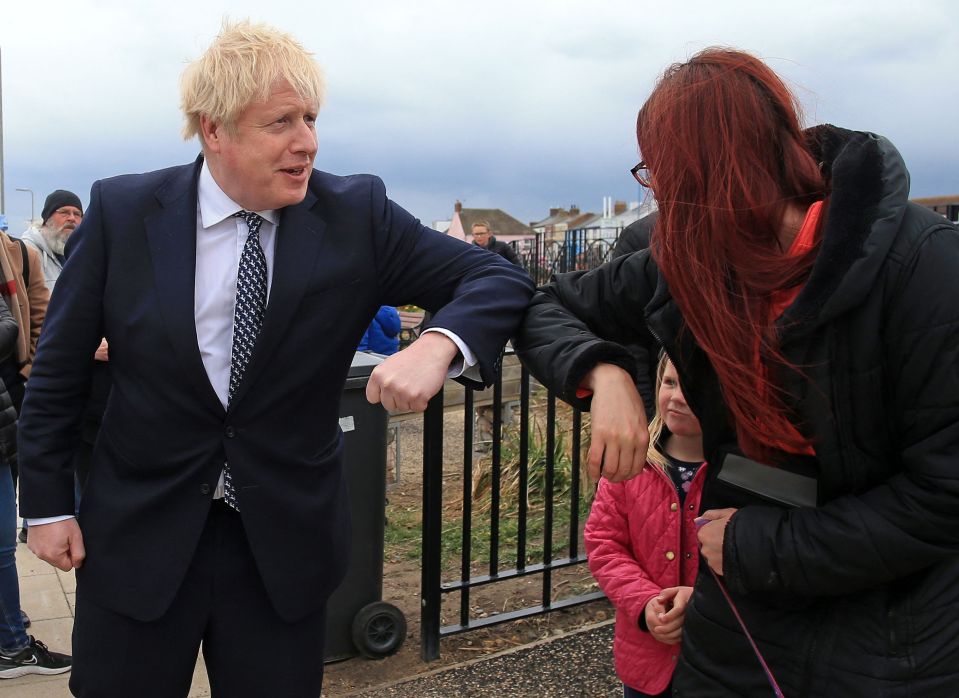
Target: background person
point(641, 542)
point(636, 237)
point(61, 214)
point(26, 297)
point(813, 315)
point(383, 334)
point(483, 237)
point(20, 654)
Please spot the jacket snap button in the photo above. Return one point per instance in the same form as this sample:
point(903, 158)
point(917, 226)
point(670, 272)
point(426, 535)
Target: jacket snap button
point(688, 555)
point(674, 506)
point(204, 488)
point(670, 555)
point(230, 432)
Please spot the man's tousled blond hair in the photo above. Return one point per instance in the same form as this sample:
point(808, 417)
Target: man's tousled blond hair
point(240, 68)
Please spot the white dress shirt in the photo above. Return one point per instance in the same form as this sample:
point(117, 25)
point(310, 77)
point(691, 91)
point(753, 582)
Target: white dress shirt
point(220, 238)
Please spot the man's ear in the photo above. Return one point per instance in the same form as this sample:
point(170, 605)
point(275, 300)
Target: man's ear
point(211, 133)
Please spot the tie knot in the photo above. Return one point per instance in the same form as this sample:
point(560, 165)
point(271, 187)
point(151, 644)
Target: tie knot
point(253, 220)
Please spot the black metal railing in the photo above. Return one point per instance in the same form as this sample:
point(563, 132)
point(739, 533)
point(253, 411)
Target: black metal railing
point(582, 248)
point(434, 588)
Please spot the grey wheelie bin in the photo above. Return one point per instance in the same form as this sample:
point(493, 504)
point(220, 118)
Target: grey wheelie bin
point(358, 620)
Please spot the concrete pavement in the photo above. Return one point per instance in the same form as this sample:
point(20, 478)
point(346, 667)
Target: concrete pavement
point(48, 596)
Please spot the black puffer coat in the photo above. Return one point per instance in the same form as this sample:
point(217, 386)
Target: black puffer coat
point(858, 596)
point(8, 412)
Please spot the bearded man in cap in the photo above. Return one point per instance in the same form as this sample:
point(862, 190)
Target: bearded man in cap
point(62, 213)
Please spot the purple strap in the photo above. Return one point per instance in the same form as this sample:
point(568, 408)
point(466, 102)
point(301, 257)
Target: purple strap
point(769, 674)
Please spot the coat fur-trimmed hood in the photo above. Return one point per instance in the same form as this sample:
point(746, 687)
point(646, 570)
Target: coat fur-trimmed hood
point(867, 193)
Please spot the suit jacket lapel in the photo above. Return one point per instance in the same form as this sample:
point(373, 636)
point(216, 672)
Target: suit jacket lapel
point(171, 235)
point(298, 241)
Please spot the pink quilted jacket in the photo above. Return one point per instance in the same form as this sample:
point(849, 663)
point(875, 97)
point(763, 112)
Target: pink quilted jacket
point(640, 541)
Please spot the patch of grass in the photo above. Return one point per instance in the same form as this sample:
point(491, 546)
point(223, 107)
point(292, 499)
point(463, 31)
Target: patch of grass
point(402, 536)
point(403, 531)
point(481, 543)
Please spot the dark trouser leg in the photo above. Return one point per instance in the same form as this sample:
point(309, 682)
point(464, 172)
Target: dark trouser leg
point(249, 650)
point(117, 657)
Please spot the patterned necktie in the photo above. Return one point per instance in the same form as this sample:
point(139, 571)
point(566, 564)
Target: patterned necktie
point(247, 319)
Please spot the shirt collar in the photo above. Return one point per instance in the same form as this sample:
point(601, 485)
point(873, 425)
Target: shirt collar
point(215, 205)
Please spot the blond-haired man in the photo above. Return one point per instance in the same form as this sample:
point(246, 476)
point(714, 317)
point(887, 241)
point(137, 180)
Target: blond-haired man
point(232, 292)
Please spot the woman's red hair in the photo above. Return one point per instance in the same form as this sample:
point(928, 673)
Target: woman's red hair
point(722, 139)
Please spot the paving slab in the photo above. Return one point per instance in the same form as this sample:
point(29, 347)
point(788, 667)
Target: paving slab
point(36, 687)
point(43, 598)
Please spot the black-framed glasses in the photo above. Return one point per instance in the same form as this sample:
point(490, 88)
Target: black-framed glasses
point(641, 173)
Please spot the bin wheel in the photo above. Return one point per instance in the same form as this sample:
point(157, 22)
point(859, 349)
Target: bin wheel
point(379, 630)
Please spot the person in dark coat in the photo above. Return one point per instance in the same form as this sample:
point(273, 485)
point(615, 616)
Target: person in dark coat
point(20, 653)
point(485, 239)
point(812, 313)
point(635, 237)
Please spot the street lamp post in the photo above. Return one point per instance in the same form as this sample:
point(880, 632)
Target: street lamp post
point(32, 209)
point(1, 135)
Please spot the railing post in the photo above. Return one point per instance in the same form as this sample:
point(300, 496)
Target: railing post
point(466, 555)
point(523, 494)
point(548, 499)
point(496, 472)
point(430, 594)
point(574, 474)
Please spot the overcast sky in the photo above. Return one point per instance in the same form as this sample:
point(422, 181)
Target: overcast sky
point(514, 105)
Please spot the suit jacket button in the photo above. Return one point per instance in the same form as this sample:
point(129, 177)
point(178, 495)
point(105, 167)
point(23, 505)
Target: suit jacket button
point(204, 488)
point(230, 432)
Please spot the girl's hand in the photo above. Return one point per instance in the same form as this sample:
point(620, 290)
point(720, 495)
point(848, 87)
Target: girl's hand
point(668, 625)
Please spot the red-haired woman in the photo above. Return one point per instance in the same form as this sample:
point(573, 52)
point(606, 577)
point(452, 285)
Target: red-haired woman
point(812, 314)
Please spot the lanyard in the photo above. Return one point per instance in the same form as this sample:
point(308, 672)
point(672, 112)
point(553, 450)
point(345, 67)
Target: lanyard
point(777, 691)
point(762, 662)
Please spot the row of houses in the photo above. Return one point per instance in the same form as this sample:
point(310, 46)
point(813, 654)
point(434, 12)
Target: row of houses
point(615, 216)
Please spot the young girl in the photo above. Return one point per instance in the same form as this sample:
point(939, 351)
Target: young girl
point(641, 543)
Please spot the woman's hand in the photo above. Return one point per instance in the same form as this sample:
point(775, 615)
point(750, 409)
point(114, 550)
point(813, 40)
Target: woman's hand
point(712, 532)
point(619, 435)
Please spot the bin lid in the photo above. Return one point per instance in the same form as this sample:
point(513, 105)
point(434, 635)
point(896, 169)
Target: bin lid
point(363, 364)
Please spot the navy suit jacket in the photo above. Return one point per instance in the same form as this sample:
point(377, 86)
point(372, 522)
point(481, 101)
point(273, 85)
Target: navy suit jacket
point(340, 254)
